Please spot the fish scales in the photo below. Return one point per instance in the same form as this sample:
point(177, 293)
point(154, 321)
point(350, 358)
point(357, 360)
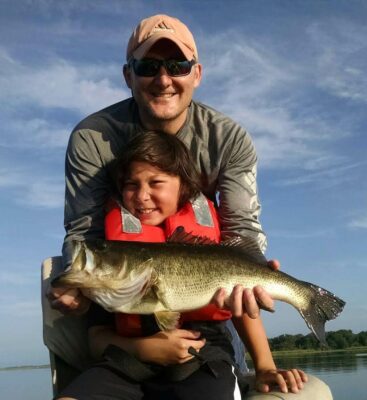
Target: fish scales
point(190, 283)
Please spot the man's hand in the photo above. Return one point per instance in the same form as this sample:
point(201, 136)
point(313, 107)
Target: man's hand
point(68, 301)
point(168, 347)
point(243, 300)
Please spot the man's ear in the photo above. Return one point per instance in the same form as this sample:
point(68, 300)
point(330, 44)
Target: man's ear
point(198, 74)
point(127, 75)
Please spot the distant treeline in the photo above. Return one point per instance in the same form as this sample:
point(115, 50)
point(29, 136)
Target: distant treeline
point(341, 339)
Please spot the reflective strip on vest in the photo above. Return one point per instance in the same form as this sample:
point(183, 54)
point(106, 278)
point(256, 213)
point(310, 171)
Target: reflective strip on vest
point(130, 224)
point(202, 212)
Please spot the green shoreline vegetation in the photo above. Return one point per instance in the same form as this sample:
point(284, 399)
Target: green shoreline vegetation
point(336, 340)
point(340, 341)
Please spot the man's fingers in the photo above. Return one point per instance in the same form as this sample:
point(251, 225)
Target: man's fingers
point(251, 306)
point(55, 293)
point(263, 299)
point(219, 298)
point(236, 300)
point(244, 300)
point(274, 264)
point(69, 301)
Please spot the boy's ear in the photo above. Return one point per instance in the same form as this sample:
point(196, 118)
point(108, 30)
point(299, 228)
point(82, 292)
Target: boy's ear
point(127, 75)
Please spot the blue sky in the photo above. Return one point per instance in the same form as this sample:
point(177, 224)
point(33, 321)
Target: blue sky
point(291, 72)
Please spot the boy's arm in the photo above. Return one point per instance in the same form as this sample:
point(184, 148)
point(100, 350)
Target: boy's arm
point(253, 334)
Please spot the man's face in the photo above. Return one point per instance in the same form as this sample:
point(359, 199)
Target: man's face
point(163, 100)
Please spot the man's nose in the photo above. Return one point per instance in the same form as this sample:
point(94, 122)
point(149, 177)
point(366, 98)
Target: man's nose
point(162, 77)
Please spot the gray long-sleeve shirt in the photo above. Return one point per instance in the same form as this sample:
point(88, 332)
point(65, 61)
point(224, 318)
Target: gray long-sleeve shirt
point(223, 152)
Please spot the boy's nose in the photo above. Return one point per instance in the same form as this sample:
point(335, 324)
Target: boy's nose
point(143, 194)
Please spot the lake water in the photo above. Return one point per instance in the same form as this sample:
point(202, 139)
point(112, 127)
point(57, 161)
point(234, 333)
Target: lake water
point(346, 375)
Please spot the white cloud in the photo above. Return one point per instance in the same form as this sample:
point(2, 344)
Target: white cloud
point(31, 190)
point(359, 223)
point(44, 194)
point(341, 57)
point(256, 87)
point(316, 233)
point(275, 96)
point(59, 84)
point(34, 133)
point(328, 176)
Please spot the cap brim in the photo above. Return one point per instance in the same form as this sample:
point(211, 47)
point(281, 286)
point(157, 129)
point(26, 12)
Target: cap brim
point(141, 51)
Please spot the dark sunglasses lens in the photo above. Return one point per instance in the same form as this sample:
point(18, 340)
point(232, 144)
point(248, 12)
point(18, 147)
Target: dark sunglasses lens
point(177, 68)
point(151, 67)
point(146, 67)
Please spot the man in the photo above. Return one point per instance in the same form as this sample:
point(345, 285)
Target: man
point(162, 71)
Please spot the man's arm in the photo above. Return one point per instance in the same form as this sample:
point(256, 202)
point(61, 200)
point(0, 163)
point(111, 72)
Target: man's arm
point(239, 206)
point(239, 211)
point(87, 187)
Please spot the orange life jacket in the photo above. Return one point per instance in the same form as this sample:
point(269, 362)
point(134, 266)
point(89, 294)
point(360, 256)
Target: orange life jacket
point(198, 218)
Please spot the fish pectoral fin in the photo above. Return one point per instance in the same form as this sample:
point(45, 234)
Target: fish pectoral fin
point(167, 320)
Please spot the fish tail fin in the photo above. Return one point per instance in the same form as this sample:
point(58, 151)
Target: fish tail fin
point(323, 306)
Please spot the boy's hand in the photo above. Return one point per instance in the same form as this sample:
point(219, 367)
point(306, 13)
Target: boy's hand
point(168, 347)
point(287, 380)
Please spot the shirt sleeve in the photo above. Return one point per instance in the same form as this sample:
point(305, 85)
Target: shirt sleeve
point(239, 206)
point(87, 187)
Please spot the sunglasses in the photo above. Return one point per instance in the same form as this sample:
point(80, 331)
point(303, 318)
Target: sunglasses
point(149, 67)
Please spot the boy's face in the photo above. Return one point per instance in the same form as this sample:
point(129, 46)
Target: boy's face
point(150, 194)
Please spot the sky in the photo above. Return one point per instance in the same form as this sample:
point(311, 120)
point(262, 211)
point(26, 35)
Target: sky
point(291, 72)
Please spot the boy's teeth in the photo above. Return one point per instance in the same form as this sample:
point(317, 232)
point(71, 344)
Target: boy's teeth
point(146, 210)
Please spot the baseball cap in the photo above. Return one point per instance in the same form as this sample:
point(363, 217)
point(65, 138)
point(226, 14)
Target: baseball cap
point(158, 27)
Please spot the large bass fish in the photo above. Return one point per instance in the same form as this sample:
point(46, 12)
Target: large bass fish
point(168, 278)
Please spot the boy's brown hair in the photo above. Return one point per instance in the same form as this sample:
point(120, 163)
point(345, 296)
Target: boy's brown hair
point(166, 152)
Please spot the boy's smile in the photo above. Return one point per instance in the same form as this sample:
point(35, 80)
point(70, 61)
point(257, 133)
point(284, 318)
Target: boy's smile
point(150, 194)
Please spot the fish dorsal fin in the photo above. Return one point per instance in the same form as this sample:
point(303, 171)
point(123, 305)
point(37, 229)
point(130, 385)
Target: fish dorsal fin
point(248, 245)
point(183, 237)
